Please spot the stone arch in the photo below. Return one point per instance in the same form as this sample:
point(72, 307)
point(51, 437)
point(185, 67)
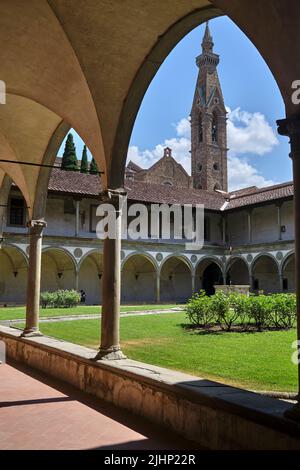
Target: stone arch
point(175, 279)
point(146, 255)
point(288, 272)
point(13, 275)
point(265, 274)
point(58, 269)
point(208, 273)
point(90, 273)
point(139, 274)
point(237, 271)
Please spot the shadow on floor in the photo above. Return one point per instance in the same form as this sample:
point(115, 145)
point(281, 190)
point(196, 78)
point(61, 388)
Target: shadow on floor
point(153, 433)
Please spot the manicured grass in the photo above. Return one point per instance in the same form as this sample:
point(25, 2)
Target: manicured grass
point(11, 313)
point(260, 361)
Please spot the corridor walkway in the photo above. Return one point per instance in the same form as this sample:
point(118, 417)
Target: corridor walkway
point(37, 412)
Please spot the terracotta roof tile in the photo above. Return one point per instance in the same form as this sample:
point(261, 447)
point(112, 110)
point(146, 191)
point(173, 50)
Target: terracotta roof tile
point(270, 193)
point(71, 182)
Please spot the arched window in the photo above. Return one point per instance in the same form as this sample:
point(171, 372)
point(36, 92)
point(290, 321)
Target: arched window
point(214, 129)
point(200, 130)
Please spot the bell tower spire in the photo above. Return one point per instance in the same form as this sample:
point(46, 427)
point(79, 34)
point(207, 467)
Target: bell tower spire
point(207, 42)
point(208, 122)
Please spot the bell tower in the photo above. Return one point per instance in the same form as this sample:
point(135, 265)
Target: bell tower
point(208, 123)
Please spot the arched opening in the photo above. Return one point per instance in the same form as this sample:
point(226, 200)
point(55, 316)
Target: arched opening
point(208, 275)
point(138, 280)
point(13, 276)
point(175, 281)
point(237, 273)
point(58, 270)
point(265, 275)
point(90, 278)
point(288, 274)
point(214, 129)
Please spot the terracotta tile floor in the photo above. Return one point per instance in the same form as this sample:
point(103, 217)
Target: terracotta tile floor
point(37, 412)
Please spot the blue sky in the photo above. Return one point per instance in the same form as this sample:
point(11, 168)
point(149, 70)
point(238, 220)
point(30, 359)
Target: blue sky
point(257, 154)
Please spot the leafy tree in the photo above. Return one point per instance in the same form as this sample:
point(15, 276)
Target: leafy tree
point(93, 167)
point(69, 159)
point(84, 168)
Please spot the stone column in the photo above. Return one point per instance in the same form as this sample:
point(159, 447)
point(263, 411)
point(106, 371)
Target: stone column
point(291, 128)
point(158, 287)
point(111, 282)
point(281, 281)
point(34, 278)
point(77, 216)
point(193, 283)
point(278, 208)
point(2, 222)
point(224, 229)
point(76, 280)
point(249, 214)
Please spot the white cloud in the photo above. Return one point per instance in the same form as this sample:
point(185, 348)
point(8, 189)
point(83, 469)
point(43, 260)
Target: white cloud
point(247, 133)
point(242, 175)
point(183, 128)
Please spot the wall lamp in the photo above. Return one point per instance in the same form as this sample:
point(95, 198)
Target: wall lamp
point(100, 275)
point(60, 275)
point(15, 273)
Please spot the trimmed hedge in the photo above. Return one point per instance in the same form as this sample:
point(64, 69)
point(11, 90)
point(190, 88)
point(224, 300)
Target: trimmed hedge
point(60, 298)
point(254, 311)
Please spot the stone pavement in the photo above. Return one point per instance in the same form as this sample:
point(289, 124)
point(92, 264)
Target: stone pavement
point(38, 412)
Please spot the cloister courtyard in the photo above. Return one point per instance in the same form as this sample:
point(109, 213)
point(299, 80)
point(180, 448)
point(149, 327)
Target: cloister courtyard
point(154, 334)
point(149, 225)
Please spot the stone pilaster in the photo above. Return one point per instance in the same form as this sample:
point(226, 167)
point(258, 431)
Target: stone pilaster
point(291, 127)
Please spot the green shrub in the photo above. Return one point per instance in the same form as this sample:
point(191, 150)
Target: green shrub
point(240, 304)
point(260, 310)
point(283, 310)
point(199, 311)
point(226, 316)
point(60, 299)
point(47, 299)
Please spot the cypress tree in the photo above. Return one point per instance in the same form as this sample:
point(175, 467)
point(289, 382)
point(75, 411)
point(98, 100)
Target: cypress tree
point(93, 167)
point(69, 159)
point(84, 168)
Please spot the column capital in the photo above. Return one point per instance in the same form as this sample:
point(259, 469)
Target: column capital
point(36, 226)
point(290, 127)
point(113, 196)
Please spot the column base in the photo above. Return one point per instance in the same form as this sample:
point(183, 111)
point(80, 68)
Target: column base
point(293, 413)
point(30, 333)
point(110, 354)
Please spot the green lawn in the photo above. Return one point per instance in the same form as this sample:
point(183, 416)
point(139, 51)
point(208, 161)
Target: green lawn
point(260, 361)
point(11, 313)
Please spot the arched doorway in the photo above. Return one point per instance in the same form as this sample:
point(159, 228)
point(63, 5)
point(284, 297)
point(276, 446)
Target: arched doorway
point(237, 272)
point(288, 274)
point(175, 280)
point(58, 270)
point(138, 280)
point(265, 275)
point(13, 276)
point(90, 277)
point(208, 274)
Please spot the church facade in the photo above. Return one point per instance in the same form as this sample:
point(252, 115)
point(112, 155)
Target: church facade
point(249, 233)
